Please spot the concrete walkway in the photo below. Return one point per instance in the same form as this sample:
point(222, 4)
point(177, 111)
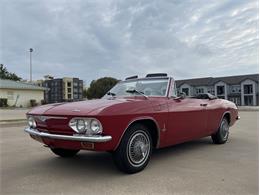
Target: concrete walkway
point(12, 114)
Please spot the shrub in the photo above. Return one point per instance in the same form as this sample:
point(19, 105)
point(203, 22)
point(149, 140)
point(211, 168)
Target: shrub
point(3, 102)
point(33, 103)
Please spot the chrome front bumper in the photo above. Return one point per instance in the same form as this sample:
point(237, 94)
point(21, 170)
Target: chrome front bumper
point(76, 137)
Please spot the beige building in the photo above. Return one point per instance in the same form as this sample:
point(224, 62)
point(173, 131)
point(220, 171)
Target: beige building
point(67, 88)
point(20, 94)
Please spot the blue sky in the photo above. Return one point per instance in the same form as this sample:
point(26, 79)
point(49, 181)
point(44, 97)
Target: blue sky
point(92, 39)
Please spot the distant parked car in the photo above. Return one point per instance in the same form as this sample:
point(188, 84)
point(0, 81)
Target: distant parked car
point(134, 117)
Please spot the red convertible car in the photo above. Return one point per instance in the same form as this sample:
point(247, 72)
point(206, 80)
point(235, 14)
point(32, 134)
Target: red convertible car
point(134, 117)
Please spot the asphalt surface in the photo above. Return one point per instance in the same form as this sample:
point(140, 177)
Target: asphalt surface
point(197, 167)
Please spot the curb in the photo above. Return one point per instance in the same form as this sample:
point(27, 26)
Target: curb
point(12, 120)
point(247, 110)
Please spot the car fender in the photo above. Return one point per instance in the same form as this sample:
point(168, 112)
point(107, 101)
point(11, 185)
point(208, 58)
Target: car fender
point(139, 119)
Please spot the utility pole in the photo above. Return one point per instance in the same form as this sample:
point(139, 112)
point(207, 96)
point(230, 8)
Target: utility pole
point(31, 50)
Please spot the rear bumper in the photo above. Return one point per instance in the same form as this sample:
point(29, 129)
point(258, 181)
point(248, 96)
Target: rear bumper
point(76, 137)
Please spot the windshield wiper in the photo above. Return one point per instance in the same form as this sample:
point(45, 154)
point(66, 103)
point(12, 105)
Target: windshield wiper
point(111, 93)
point(136, 91)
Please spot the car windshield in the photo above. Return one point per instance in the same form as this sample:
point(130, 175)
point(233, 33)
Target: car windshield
point(146, 87)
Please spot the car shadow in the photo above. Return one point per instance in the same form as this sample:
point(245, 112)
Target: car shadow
point(85, 162)
point(179, 152)
point(101, 163)
point(183, 148)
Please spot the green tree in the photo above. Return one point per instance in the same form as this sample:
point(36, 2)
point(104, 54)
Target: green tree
point(98, 88)
point(5, 74)
point(84, 93)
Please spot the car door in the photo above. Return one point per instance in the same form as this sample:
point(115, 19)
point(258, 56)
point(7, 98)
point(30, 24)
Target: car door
point(186, 119)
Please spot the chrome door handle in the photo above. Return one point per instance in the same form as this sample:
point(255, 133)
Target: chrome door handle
point(203, 104)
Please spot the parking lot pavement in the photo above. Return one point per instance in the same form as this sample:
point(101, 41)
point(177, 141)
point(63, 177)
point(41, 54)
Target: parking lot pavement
point(197, 167)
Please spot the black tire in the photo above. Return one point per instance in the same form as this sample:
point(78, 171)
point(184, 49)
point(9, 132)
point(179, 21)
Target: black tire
point(135, 144)
point(221, 136)
point(65, 153)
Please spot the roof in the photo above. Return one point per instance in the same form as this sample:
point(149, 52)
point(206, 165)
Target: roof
point(207, 81)
point(9, 84)
point(232, 80)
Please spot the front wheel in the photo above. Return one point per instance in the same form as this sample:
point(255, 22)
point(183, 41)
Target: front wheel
point(221, 136)
point(66, 153)
point(134, 150)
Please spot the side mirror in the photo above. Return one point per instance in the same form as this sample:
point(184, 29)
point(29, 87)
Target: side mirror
point(181, 96)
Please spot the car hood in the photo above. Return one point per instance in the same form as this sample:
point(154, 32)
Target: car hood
point(94, 107)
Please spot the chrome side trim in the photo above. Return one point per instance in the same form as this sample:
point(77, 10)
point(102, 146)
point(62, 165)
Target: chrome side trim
point(75, 137)
point(44, 118)
point(56, 117)
point(139, 119)
point(168, 87)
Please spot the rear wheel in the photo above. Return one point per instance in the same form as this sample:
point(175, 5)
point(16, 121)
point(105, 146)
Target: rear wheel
point(221, 136)
point(134, 150)
point(66, 153)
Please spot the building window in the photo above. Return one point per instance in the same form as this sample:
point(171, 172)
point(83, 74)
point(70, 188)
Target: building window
point(248, 89)
point(236, 100)
point(220, 90)
point(69, 84)
point(69, 90)
point(200, 90)
point(248, 100)
point(186, 91)
point(235, 88)
point(69, 96)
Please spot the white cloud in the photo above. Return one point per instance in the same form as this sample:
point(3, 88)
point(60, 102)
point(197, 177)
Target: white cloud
point(90, 39)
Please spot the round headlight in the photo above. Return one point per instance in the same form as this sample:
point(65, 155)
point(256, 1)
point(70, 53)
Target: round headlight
point(95, 126)
point(88, 126)
point(31, 122)
point(81, 126)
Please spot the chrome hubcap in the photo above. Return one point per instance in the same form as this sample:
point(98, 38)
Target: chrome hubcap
point(224, 129)
point(138, 148)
